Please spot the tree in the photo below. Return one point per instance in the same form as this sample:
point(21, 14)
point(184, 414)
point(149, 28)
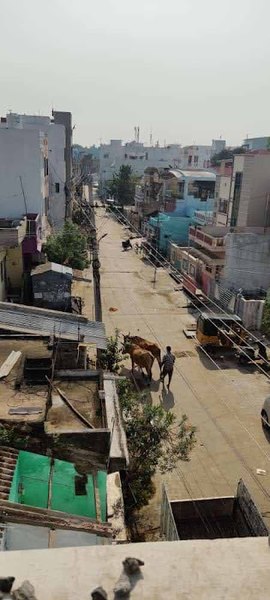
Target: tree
point(122, 186)
point(156, 441)
point(68, 247)
point(226, 154)
point(266, 316)
point(110, 359)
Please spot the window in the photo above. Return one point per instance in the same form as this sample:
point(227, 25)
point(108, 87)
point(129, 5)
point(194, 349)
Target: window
point(196, 160)
point(57, 188)
point(106, 155)
point(2, 270)
point(46, 169)
point(181, 190)
point(190, 159)
point(80, 485)
point(223, 206)
point(236, 198)
point(202, 189)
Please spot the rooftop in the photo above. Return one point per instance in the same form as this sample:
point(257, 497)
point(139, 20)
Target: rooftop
point(41, 321)
point(51, 266)
point(193, 174)
point(212, 569)
point(83, 396)
point(16, 396)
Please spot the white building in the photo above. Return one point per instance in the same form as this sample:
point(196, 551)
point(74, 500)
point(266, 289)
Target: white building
point(23, 173)
point(137, 156)
point(199, 157)
point(55, 135)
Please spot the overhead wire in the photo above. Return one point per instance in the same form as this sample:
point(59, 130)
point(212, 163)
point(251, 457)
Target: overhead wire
point(221, 430)
point(176, 271)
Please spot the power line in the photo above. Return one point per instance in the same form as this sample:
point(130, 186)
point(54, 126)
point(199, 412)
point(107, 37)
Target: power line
point(223, 433)
point(177, 272)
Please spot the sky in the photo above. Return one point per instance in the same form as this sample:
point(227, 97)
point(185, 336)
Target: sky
point(187, 70)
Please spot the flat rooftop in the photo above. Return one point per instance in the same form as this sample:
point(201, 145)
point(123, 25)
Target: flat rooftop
point(32, 397)
point(194, 570)
point(83, 395)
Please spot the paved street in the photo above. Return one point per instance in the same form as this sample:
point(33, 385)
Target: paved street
point(223, 404)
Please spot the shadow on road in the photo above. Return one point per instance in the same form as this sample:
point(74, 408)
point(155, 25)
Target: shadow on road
point(167, 399)
point(266, 432)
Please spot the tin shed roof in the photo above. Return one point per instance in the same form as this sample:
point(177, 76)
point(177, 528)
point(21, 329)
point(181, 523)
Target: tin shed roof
point(41, 321)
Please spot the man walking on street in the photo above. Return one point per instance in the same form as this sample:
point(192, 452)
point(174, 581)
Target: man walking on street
point(167, 365)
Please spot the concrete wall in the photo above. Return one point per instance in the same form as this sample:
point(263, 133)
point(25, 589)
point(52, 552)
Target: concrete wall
point(254, 205)
point(250, 311)
point(22, 155)
point(52, 290)
point(65, 119)
point(2, 275)
point(197, 570)
point(247, 261)
point(14, 267)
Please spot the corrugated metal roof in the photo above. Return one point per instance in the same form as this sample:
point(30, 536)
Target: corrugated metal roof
point(193, 174)
point(51, 266)
point(19, 317)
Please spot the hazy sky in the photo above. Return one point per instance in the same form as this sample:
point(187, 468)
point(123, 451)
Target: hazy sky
point(191, 70)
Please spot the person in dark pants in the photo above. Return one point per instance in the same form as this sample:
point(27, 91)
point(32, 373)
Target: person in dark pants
point(167, 365)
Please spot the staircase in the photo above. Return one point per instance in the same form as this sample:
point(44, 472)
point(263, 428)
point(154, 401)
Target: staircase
point(8, 461)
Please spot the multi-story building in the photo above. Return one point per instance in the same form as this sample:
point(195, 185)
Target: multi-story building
point(222, 193)
point(257, 143)
point(24, 184)
point(199, 157)
point(186, 197)
point(65, 119)
point(243, 191)
point(55, 136)
point(137, 156)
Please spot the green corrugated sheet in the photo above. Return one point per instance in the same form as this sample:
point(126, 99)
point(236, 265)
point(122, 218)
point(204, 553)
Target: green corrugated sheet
point(30, 485)
point(63, 492)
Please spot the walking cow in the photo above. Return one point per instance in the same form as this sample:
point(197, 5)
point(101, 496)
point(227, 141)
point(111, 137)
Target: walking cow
point(140, 357)
point(146, 345)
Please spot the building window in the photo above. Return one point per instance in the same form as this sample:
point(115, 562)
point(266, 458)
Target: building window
point(202, 189)
point(236, 198)
point(46, 168)
point(80, 485)
point(223, 206)
point(105, 155)
point(190, 159)
point(2, 271)
point(196, 160)
point(57, 188)
point(181, 190)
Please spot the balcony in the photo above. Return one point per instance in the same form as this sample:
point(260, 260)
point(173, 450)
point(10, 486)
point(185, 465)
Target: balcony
point(209, 238)
point(12, 232)
point(203, 217)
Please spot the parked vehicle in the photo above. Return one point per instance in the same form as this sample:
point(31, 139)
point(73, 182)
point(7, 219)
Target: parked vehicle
point(215, 330)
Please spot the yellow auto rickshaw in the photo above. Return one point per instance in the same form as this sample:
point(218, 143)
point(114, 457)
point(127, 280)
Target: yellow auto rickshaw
point(220, 330)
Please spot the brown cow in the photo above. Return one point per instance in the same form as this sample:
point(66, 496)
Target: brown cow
point(142, 343)
point(140, 357)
